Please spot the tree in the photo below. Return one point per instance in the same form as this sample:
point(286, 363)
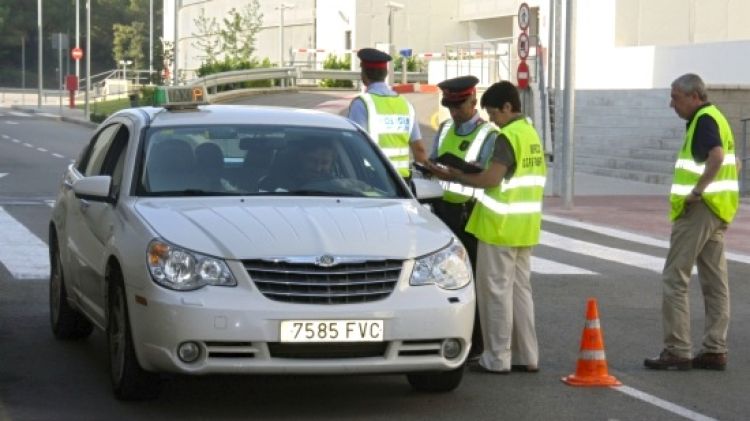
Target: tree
point(239, 31)
point(128, 43)
point(207, 37)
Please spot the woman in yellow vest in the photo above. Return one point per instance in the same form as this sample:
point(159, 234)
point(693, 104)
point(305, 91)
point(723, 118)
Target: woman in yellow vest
point(704, 199)
point(506, 220)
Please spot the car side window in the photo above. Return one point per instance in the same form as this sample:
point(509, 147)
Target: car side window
point(97, 151)
point(114, 162)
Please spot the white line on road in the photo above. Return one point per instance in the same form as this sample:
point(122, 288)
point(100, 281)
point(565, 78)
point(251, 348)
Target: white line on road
point(661, 403)
point(629, 236)
point(548, 267)
point(41, 149)
point(28, 145)
point(5, 136)
point(23, 253)
point(625, 257)
point(57, 155)
point(19, 114)
point(3, 174)
point(16, 141)
point(11, 122)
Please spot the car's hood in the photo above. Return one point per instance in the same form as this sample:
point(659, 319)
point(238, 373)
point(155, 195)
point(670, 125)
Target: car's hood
point(264, 227)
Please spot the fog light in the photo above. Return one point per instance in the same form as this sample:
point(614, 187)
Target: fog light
point(189, 352)
point(451, 348)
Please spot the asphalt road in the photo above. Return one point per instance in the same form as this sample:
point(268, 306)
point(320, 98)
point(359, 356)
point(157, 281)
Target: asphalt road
point(44, 379)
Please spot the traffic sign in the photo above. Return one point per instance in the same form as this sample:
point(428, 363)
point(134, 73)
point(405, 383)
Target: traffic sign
point(524, 15)
point(523, 75)
point(76, 53)
point(523, 46)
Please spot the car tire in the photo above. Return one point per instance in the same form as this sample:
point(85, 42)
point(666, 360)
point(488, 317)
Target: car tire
point(66, 322)
point(436, 382)
point(129, 380)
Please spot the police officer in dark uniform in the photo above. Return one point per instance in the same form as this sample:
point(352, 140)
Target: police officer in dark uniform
point(387, 116)
point(469, 138)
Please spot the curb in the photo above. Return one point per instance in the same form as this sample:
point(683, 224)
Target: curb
point(58, 117)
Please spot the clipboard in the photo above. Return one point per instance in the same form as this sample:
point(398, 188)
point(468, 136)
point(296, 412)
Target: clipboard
point(454, 161)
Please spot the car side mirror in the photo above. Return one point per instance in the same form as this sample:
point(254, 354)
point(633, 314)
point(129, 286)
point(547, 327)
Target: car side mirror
point(95, 188)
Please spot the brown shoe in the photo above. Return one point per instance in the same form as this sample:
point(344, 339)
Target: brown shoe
point(710, 361)
point(668, 361)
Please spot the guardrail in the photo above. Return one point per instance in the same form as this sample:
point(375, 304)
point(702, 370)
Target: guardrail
point(289, 75)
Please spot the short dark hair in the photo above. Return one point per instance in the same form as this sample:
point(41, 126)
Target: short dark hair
point(375, 75)
point(499, 93)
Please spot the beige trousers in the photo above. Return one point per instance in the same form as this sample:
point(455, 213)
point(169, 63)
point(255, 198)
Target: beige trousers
point(697, 238)
point(506, 308)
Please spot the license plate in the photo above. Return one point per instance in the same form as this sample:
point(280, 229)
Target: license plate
point(332, 330)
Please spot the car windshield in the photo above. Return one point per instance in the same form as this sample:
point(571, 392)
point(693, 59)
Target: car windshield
point(263, 160)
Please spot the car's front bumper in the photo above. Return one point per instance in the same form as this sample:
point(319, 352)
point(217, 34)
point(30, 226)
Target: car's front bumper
point(238, 331)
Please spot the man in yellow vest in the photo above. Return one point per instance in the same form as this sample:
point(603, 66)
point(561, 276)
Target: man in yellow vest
point(388, 117)
point(507, 221)
point(704, 199)
point(468, 137)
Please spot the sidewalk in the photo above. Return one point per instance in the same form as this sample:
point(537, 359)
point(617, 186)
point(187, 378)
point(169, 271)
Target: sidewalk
point(635, 207)
point(55, 112)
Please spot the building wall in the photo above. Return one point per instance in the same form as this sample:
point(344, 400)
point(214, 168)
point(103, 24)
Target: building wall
point(676, 22)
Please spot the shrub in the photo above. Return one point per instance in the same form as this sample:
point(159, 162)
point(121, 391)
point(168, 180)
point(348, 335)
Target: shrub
point(334, 63)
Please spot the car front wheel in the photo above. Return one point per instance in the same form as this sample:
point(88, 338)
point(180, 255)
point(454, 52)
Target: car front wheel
point(66, 322)
point(438, 382)
point(129, 380)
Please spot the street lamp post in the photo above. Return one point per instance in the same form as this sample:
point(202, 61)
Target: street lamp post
point(150, 41)
point(78, 37)
point(281, 9)
point(86, 108)
point(392, 7)
point(177, 6)
point(40, 45)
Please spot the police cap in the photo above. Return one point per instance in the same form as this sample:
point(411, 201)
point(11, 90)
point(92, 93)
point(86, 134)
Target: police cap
point(457, 90)
point(371, 58)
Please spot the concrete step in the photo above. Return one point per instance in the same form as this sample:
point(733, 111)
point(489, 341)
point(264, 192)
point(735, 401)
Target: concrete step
point(628, 164)
point(642, 176)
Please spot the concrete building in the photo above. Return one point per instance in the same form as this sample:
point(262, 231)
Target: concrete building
point(627, 54)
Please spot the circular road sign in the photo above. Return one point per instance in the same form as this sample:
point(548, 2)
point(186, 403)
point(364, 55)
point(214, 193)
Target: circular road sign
point(523, 46)
point(523, 75)
point(76, 53)
point(524, 15)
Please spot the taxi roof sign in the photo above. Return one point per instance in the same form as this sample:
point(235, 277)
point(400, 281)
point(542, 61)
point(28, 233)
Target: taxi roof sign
point(184, 97)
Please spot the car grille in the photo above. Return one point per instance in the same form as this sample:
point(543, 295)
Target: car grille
point(344, 283)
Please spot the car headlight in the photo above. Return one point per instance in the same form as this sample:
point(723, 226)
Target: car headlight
point(448, 268)
point(180, 269)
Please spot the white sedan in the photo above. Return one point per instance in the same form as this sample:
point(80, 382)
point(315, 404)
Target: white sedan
point(232, 239)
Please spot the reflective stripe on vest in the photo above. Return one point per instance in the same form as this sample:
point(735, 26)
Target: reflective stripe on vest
point(510, 214)
point(722, 194)
point(457, 192)
point(390, 120)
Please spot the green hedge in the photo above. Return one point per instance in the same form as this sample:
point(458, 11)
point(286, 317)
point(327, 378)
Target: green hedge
point(335, 63)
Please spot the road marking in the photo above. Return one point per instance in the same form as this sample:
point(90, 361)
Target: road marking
point(41, 149)
point(57, 155)
point(625, 257)
point(548, 267)
point(19, 114)
point(3, 174)
point(23, 253)
point(11, 122)
point(47, 115)
point(50, 202)
point(16, 141)
point(5, 136)
point(661, 403)
point(629, 236)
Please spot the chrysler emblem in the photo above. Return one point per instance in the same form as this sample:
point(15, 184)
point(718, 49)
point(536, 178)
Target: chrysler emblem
point(326, 261)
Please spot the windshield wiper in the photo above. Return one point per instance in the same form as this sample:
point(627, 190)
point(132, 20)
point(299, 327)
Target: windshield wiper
point(313, 192)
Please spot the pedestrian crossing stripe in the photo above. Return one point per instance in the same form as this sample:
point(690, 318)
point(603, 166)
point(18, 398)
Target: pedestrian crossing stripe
point(3, 174)
point(21, 252)
point(548, 267)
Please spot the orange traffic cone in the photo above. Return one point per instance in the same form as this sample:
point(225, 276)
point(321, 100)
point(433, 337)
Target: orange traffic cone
point(591, 369)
